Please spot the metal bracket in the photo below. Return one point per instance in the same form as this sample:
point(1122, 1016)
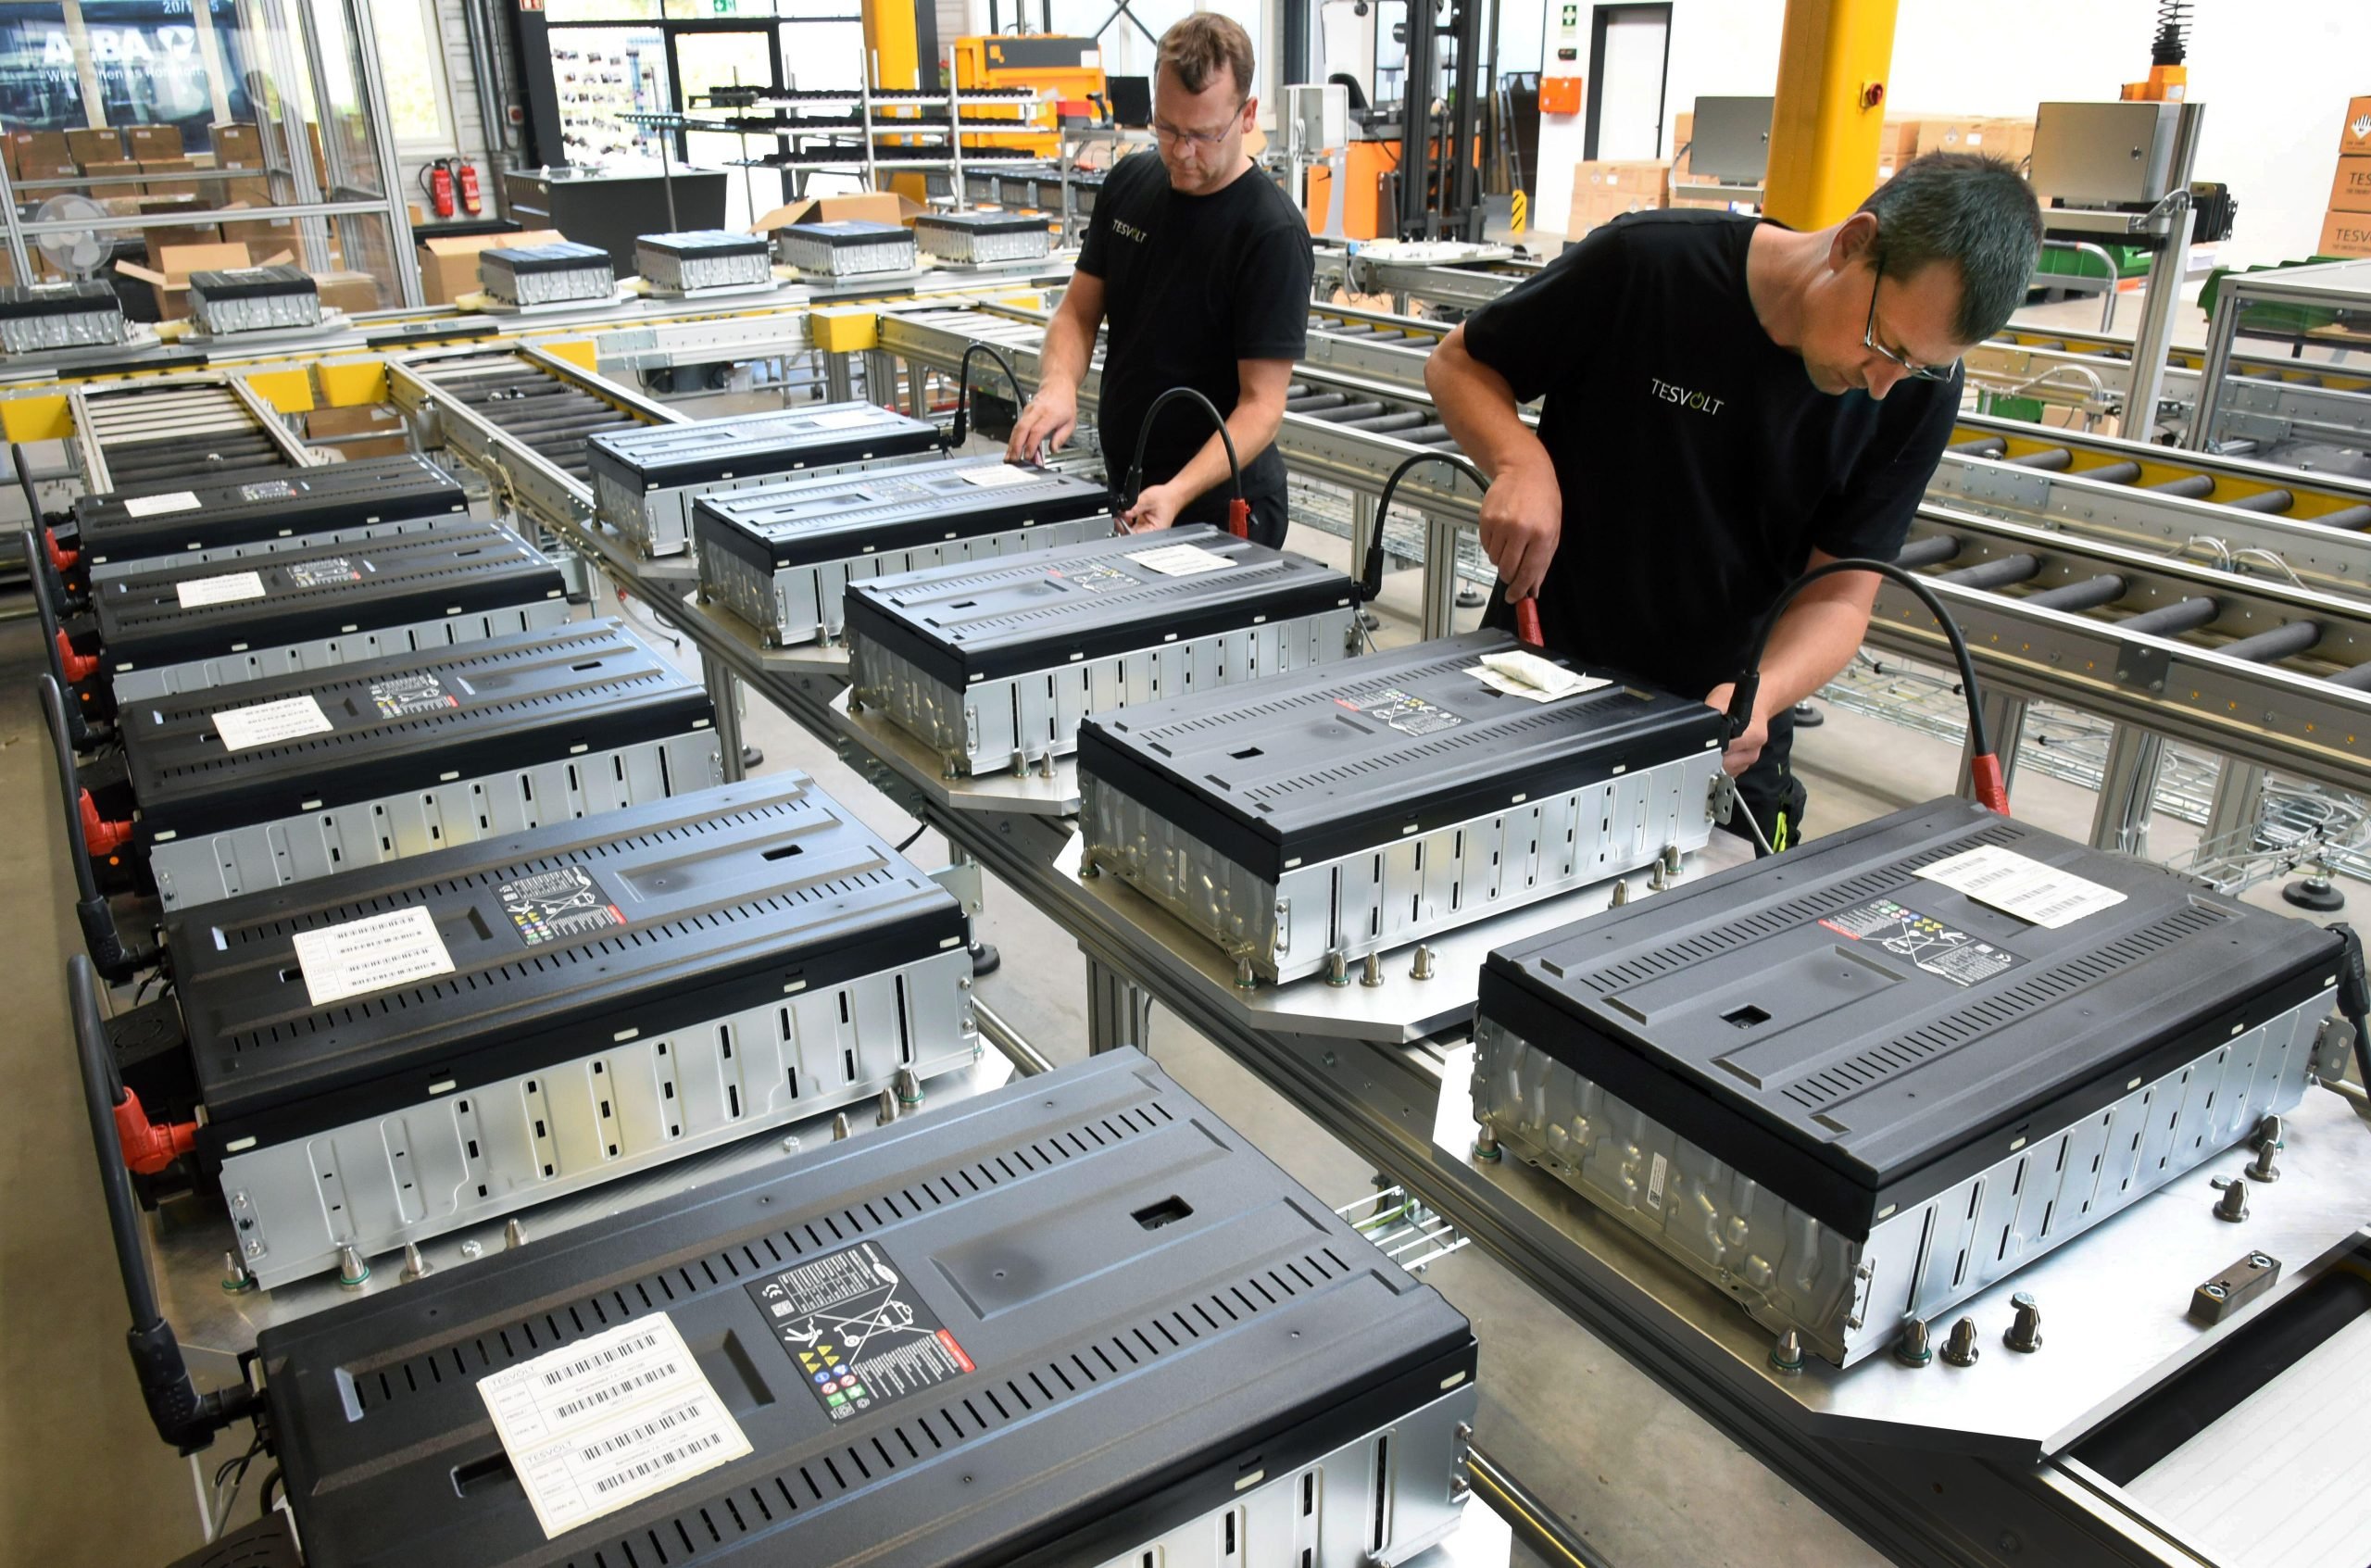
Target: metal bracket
point(963, 879)
point(2140, 664)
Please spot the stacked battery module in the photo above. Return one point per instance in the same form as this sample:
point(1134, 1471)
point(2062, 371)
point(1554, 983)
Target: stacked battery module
point(708, 258)
point(1860, 1082)
point(552, 274)
point(644, 481)
point(44, 318)
point(1315, 818)
point(850, 249)
point(978, 239)
point(251, 299)
point(781, 556)
point(407, 1048)
point(994, 663)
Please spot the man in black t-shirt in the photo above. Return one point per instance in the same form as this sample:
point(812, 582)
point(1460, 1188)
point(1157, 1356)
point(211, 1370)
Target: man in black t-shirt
point(1728, 402)
point(1203, 266)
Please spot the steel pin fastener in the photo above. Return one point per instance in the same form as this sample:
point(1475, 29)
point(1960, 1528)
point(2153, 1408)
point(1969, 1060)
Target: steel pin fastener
point(839, 1126)
point(2270, 1138)
point(1486, 1143)
point(1371, 976)
point(1913, 1347)
point(514, 1236)
point(236, 1278)
point(1961, 1349)
point(1787, 1355)
point(1620, 893)
point(886, 1111)
point(1337, 968)
point(1423, 968)
point(2025, 1330)
point(351, 1268)
point(415, 1265)
point(2233, 1204)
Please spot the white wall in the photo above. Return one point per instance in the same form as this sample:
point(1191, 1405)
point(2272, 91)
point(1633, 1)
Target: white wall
point(2274, 79)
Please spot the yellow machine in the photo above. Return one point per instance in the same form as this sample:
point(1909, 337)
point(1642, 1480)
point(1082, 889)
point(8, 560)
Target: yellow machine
point(1070, 67)
point(2168, 77)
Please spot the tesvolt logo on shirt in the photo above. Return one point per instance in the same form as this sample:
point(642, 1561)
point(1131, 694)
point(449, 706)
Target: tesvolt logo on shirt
point(1697, 402)
point(1129, 232)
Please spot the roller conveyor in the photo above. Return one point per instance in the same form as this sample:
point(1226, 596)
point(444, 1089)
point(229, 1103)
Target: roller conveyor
point(543, 402)
point(164, 433)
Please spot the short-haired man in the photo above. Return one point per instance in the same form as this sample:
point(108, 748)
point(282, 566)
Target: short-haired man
point(1203, 266)
point(1729, 402)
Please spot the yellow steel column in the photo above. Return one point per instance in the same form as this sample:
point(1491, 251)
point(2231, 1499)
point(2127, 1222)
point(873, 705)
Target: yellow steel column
point(1832, 62)
point(893, 55)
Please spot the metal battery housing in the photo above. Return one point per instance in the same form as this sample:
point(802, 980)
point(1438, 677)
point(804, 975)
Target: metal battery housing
point(623, 992)
point(702, 259)
point(644, 481)
point(1359, 807)
point(181, 629)
point(249, 299)
point(1098, 1257)
point(424, 751)
point(46, 318)
point(994, 664)
point(550, 274)
point(978, 239)
point(1848, 1094)
point(781, 556)
point(849, 248)
point(222, 518)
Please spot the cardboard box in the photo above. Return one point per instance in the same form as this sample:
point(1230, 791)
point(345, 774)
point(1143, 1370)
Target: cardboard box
point(2345, 233)
point(349, 291)
point(258, 234)
point(2355, 132)
point(39, 148)
point(173, 187)
point(235, 142)
point(871, 206)
point(103, 144)
point(373, 430)
point(171, 265)
point(2350, 192)
point(448, 267)
point(154, 140)
point(114, 177)
point(44, 169)
point(1603, 191)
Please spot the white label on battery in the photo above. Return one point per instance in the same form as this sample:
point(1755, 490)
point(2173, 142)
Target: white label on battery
point(998, 477)
point(600, 1424)
point(2043, 895)
point(267, 723)
point(229, 588)
point(1534, 679)
point(1655, 1173)
point(1181, 560)
point(370, 955)
point(157, 505)
point(844, 418)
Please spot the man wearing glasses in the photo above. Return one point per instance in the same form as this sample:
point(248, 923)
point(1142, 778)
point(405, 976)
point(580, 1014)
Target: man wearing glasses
point(1204, 268)
point(1727, 403)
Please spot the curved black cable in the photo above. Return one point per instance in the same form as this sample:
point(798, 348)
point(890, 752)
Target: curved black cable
point(1370, 584)
point(1135, 482)
point(964, 388)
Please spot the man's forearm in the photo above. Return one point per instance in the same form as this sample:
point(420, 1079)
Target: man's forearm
point(1062, 356)
point(1253, 428)
point(1478, 406)
point(1812, 641)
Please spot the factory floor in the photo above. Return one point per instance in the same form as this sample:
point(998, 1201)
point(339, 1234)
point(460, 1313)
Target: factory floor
point(1644, 1481)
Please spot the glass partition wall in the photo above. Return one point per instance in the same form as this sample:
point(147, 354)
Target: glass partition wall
point(133, 132)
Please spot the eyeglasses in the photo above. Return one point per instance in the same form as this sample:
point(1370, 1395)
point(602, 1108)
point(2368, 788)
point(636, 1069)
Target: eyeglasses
point(1869, 340)
point(1200, 139)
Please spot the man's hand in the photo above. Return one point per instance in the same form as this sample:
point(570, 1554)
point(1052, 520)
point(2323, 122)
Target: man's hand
point(1156, 506)
point(1523, 516)
point(1047, 419)
point(1746, 749)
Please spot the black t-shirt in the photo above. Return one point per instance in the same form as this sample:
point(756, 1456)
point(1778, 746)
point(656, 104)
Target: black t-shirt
point(1191, 285)
point(1699, 464)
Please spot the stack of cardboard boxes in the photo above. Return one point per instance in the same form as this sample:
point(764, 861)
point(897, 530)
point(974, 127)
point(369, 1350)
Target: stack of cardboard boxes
point(2347, 230)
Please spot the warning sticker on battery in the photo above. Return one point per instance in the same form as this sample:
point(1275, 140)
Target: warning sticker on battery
point(1409, 715)
point(1095, 578)
point(320, 573)
point(859, 1334)
point(557, 906)
point(1938, 948)
point(269, 490)
point(407, 695)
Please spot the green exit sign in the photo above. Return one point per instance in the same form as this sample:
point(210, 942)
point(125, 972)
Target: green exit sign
point(1571, 16)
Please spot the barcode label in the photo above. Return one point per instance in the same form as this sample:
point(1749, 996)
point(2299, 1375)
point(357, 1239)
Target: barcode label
point(600, 1424)
point(2044, 896)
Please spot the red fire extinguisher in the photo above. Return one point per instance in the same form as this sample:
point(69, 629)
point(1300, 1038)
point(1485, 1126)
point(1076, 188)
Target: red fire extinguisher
point(437, 179)
point(466, 172)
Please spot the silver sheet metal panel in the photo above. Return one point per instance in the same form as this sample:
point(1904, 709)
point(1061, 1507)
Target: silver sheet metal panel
point(781, 556)
point(993, 665)
point(38, 318)
point(1313, 818)
point(704, 258)
point(1851, 1094)
point(644, 481)
point(617, 994)
point(849, 248)
point(392, 758)
point(552, 274)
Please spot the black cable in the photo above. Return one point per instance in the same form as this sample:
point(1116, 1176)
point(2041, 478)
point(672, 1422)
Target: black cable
point(270, 1483)
point(913, 838)
point(1748, 682)
point(963, 430)
point(1370, 584)
point(1136, 483)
